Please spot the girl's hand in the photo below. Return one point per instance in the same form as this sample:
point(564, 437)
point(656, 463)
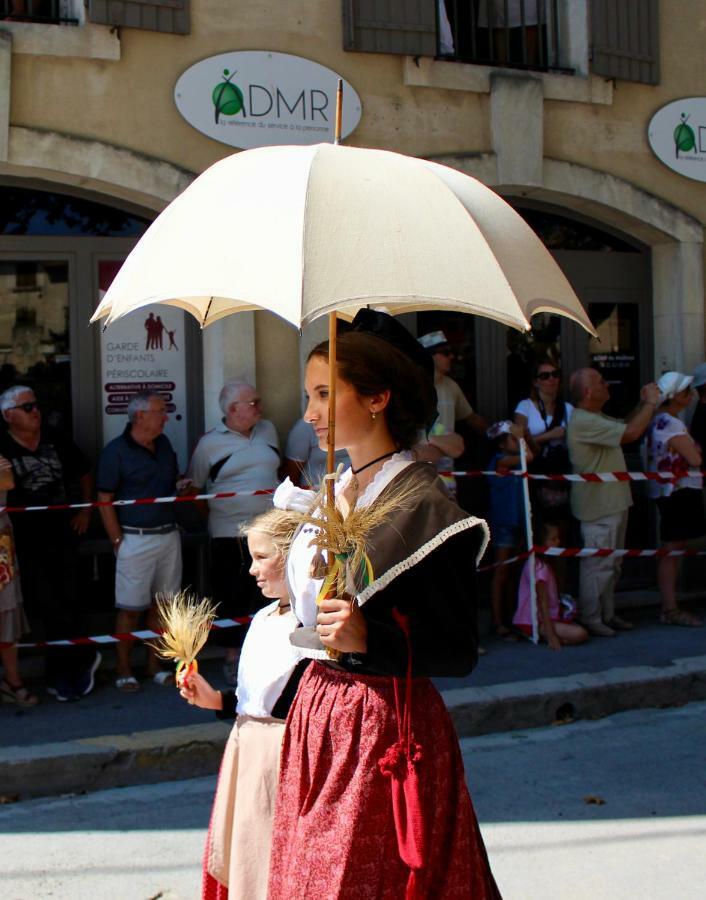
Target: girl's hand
point(198, 692)
point(341, 626)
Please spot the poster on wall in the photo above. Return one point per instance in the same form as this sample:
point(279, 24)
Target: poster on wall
point(139, 352)
point(257, 98)
point(677, 136)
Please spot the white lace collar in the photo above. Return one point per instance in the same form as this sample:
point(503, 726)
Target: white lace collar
point(391, 469)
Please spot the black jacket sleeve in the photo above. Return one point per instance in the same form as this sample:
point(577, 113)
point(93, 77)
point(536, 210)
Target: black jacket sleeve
point(438, 596)
point(227, 711)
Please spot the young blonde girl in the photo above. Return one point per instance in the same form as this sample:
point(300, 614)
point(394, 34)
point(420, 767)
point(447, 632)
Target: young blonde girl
point(237, 856)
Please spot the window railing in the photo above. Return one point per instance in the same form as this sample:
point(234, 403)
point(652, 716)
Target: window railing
point(47, 12)
point(523, 34)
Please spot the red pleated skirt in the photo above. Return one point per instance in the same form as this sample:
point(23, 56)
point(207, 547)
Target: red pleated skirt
point(334, 832)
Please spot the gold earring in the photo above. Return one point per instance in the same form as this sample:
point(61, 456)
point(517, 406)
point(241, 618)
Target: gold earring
point(373, 415)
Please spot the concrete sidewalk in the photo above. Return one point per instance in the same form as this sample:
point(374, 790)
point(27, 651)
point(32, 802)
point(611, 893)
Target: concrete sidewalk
point(110, 739)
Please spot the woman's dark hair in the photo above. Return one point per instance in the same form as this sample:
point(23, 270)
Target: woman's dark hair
point(371, 365)
point(559, 405)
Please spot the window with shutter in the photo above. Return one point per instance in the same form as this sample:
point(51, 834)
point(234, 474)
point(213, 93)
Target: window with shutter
point(169, 16)
point(625, 39)
point(390, 26)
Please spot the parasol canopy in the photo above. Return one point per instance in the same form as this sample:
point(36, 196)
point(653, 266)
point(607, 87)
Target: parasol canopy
point(305, 231)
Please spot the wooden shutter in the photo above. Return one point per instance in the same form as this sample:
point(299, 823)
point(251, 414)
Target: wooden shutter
point(625, 39)
point(390, 26)
point(170, 16)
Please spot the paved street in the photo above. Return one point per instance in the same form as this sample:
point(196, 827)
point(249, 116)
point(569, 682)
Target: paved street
point(646, 839)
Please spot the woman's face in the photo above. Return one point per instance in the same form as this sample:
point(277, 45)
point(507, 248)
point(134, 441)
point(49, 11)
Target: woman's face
point(683, 398)
point(353, 411)
point(548, 379)
point(267, 566)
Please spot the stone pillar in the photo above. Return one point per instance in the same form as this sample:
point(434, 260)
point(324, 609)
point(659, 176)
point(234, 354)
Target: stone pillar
point(517, 127)
point(678, 302)
point(5, 80)
point(228, 352)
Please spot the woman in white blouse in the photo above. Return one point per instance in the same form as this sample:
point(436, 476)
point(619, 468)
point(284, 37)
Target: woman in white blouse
point(543, 416)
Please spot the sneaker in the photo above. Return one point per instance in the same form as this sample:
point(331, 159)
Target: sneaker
point(85, 682)
point(63, 691)
point(598, 629)
point(618, 624)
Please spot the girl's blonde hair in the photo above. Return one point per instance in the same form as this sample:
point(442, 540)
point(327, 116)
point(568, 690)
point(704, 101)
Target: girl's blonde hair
point(278, 524)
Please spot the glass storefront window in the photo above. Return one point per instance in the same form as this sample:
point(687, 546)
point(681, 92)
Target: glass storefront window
point(36, 213)
point(34, 334)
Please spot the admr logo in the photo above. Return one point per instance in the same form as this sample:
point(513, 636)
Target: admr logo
point(684, 136)
point(227, 97)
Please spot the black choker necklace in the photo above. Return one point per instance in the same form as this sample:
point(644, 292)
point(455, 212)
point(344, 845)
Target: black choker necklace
point(356, 472)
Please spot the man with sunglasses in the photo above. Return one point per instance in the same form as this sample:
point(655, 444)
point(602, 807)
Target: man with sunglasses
point(240, 455)
point(46, 466)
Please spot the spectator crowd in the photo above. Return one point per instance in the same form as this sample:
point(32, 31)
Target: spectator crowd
point(549, 432)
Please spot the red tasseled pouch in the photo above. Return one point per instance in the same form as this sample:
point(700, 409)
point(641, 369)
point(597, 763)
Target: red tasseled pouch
point(401, 764)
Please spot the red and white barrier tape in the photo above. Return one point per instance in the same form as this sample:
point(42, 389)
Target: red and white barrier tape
point(590, 552)
point(572, 552)
point(129, 635)
point(142, 501)
point(595, 477)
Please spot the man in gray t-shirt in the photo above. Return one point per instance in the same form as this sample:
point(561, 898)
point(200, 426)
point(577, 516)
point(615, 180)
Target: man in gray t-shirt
point(241, 455)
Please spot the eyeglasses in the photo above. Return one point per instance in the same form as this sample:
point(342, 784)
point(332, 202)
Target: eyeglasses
point(545, 376)
point(256, 402)
point(27, 407)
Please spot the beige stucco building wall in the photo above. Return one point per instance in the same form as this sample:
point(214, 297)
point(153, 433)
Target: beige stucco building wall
point(94, 108)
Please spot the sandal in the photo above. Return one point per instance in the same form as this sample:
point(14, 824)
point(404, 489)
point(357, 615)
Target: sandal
point(127, 684)
point(163, 678)
point(19, 695)
point(679, 617)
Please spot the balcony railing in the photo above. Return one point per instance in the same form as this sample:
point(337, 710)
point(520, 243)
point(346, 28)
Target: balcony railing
point(521, 34)
point(47, 12)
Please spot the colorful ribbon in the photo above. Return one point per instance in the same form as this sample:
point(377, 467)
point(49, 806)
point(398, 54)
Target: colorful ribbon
point(338, 568)
point(184, 670)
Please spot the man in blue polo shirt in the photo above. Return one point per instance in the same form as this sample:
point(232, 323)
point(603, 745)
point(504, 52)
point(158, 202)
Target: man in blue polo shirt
point(141, 463)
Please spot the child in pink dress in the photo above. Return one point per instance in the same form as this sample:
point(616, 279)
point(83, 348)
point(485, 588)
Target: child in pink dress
point(554, 627)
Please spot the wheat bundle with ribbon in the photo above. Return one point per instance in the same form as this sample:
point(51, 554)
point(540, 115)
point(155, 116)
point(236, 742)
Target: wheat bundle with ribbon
point(186, 622)
point(347, 538)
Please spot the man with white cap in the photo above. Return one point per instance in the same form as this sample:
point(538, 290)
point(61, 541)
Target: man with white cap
point(453, 406)
point(595, 444)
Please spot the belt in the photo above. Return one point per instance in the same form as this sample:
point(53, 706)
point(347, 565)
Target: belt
point(160, 529)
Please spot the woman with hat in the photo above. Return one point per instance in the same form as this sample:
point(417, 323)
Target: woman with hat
point(372, 801)
point(672, 450)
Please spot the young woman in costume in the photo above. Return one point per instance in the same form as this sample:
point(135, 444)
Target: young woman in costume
point(372, 801)
point(237, 853)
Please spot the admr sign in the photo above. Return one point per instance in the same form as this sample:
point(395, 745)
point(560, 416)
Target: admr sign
point(677, 135)
point(255, 98)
